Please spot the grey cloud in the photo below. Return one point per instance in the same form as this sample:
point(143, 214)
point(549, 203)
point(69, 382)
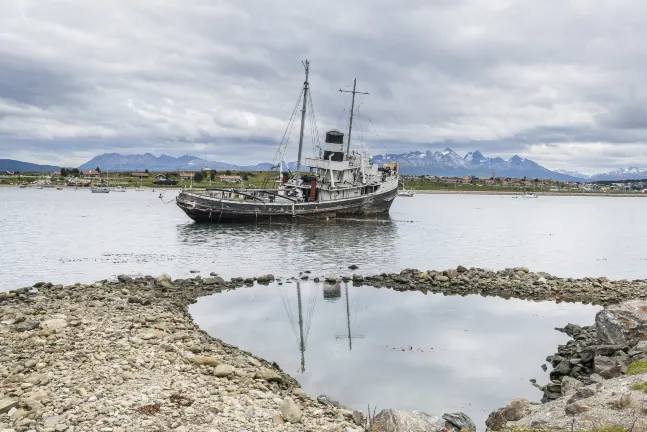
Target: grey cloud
point(194, 75)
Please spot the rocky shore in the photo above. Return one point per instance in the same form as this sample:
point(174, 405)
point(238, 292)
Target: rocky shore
point(599, 378)
point(516, 282)
point(125, 355)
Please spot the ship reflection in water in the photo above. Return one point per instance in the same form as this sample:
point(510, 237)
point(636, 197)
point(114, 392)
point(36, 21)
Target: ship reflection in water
point(322, 247)
point(404, 350)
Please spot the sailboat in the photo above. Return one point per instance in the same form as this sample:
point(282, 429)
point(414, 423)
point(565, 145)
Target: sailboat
point(339, 183)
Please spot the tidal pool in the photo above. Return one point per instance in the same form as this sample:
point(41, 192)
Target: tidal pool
point(406, 350)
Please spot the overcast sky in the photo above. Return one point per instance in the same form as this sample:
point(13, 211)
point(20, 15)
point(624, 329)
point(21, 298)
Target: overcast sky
point(559, 81)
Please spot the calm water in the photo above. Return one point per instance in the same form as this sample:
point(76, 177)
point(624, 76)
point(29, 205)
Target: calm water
point(76, 236)
point(405, 350)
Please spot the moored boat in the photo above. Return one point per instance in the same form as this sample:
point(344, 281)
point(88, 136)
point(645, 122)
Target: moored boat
point(99, 189)
point(530, 195)
point(339, 183)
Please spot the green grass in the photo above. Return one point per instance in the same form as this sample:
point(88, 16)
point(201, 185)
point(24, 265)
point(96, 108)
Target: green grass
point(638, 367)
point(609, 428)
point(640, 386)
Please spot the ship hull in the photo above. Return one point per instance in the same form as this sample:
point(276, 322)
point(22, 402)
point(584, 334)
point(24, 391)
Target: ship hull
point(214, 210)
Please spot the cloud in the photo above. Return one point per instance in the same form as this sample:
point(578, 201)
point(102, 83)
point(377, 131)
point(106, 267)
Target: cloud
point(222, 78)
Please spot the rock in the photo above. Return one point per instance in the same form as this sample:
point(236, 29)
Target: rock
point(441, 278)
point(460, 421)
point(541, 281)
point(570, 385)
point(563, 368)
point(6, 404)
point(27, 326)
point(595, 378)
point(298, 392)
point(461, 269)
point(124, 279)
point(359, 418)
point(54, 324)
point(393, 420)
point(613, 372)
point(265, 279)
point(451, 273)
point(268, 375)
point(210, 281)
point(624, 323)
point(353, 267)
point(223, 370)
point(290, 410)
point(640, 348)
point(163, 278)
point(582, 393)
point(278, 420)
point(205, 360)
point(327, 400)
point(602, 363)
point(576, 408)
point(516, 409)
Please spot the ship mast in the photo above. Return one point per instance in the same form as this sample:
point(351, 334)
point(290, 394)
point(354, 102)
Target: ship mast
point(306, 64)
point(352, 107)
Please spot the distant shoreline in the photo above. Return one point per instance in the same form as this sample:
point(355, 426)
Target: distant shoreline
point(517, 193)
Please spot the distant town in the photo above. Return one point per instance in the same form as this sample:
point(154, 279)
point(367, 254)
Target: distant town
point(86, 178)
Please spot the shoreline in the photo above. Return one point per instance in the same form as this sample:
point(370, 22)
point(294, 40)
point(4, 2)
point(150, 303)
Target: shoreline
point(127, 355)
point(519, 193)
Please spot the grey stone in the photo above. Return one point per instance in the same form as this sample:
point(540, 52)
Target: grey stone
point(359, 418)
point(613, 372)
point(6, 404)
point(54, 324)
point(461, 269)
point(516, 410)
point(602, 363)
point(290, 410)
point(327, 400)
point(563, 368)
point(624, 323)
point(582, 393)
point(265, 279)
point(570, 385)
point(393, 420)
point(640, 348)
point(460, 420)
point(223, 370)
point(441, 278)
point(576, 408)
point(268, 375)
point(595, 378)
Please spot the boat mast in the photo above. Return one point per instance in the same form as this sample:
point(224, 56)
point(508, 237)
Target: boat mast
point(306, 64)
point(352, 108)
point(302, 344)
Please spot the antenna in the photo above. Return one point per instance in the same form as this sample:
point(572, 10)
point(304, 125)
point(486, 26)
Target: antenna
point(352, 107)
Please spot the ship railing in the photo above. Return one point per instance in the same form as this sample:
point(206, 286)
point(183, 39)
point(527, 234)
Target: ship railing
point(263, 196)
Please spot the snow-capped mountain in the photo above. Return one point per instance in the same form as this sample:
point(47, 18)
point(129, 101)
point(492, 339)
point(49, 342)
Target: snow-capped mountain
point(573, 173)
point(631, 173)
point(450, 164)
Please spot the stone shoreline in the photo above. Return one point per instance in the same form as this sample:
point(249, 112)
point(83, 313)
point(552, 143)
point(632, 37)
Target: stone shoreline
point(126, 355)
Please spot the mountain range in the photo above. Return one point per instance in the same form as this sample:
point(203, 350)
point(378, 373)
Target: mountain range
point(448, 163)
point(441, 163)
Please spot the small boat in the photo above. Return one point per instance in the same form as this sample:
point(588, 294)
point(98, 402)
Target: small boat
point(530, 195)
point(405, 193)
point(118, 189)
point(39, 187)
point(100, 189)
point(139, 190)
point(59, 188)
point(22, 186)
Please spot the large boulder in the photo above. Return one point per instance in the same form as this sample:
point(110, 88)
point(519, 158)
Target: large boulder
point(624, 323)
point(393, 420)
point(514, 411)
point(290, 410)
point(459, 421)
